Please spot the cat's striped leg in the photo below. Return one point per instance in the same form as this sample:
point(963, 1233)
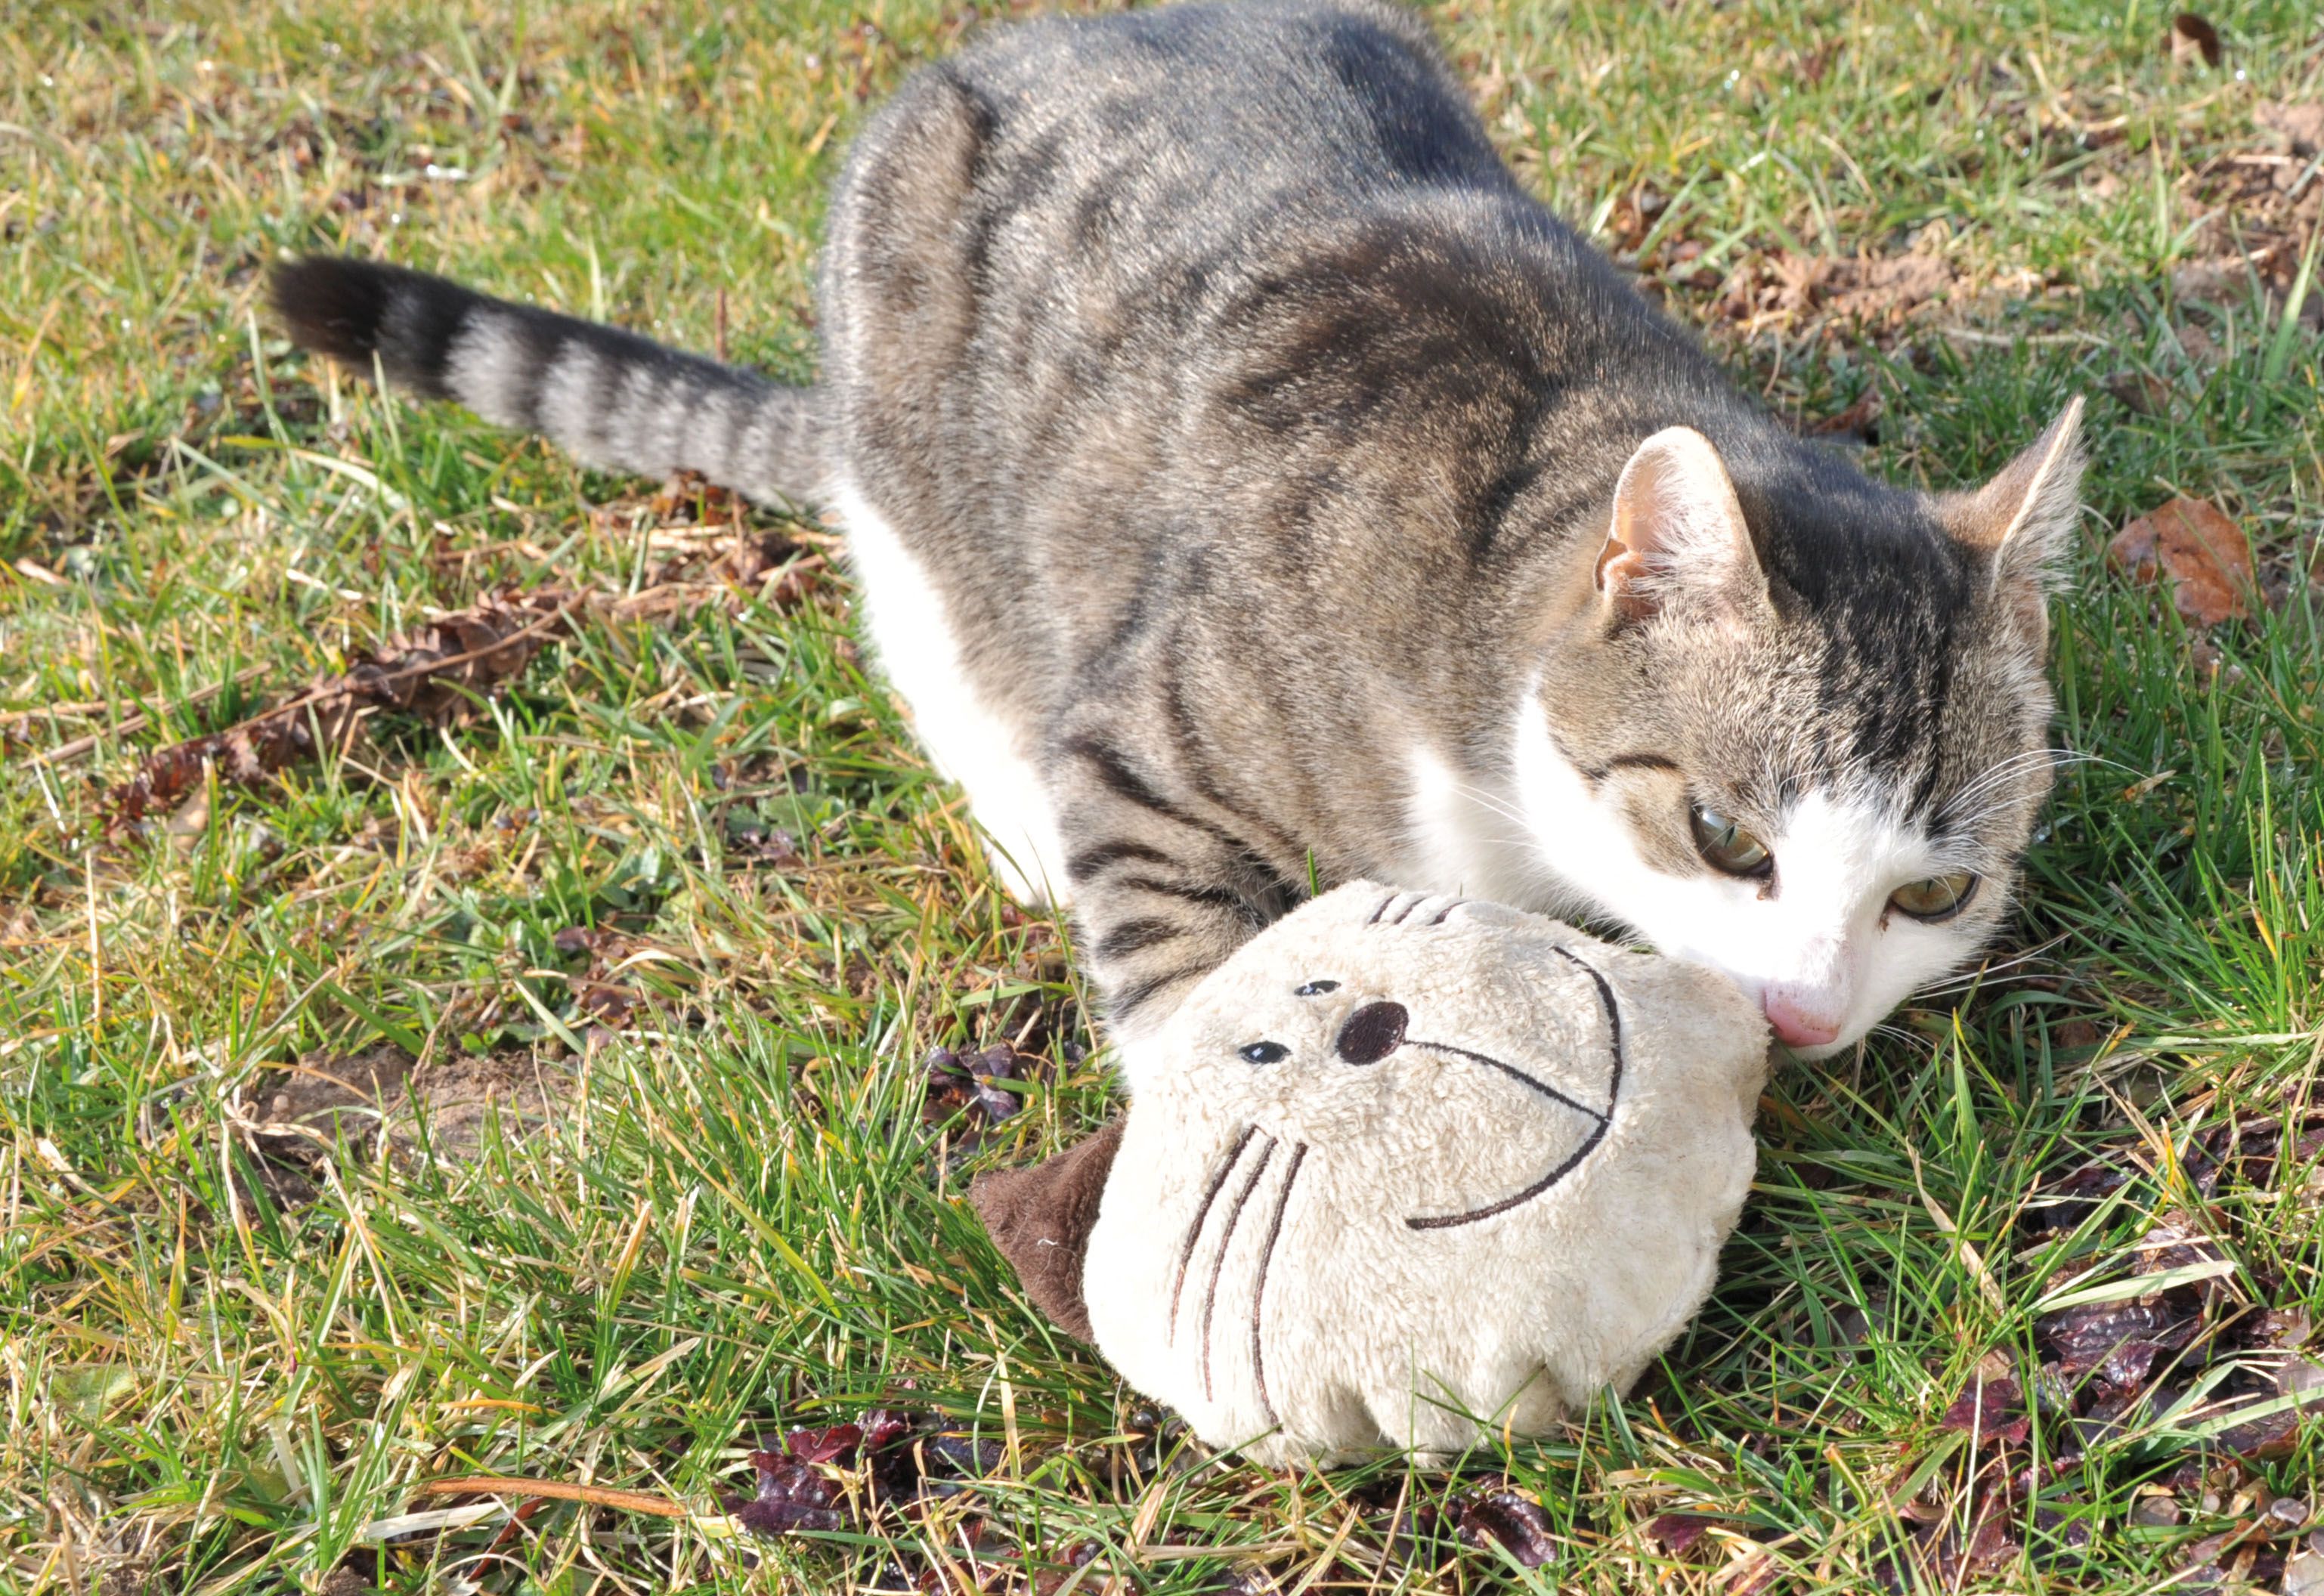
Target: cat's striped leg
point(1163, 891)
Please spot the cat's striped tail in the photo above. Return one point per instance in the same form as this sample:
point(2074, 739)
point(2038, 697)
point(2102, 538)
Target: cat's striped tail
point(608, 397)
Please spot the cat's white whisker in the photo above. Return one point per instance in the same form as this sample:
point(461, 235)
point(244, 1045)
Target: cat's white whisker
point(1946, 986)
point(2003, 771)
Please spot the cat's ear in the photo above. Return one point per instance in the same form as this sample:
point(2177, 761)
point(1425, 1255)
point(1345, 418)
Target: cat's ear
point(1676, 527)
point(2022, 521)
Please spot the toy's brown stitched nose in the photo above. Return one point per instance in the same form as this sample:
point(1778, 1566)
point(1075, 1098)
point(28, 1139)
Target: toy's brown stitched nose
point(1371, 1033)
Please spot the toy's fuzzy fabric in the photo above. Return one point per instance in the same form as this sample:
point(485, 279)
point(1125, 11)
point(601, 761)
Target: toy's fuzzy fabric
point(1418, 1171)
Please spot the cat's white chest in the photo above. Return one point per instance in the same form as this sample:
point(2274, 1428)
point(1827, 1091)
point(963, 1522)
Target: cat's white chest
point(1465, 838)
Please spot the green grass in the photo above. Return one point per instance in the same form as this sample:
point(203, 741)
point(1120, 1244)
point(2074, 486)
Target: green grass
point(734, 1220)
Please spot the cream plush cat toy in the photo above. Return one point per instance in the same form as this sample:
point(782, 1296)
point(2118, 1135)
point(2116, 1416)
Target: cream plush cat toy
point(1420, 1170)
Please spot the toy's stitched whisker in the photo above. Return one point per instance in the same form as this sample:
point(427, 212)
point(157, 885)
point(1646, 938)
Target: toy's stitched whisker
point(1258, 1290)
point(1439, 1222)
point(1447, 910)
point(1374, 918)
point(1219, 1262)
point(1194, 1230)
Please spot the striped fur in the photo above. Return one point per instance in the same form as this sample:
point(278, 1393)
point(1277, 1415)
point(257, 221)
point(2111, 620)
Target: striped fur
point(1239, 463)
point(607, 397)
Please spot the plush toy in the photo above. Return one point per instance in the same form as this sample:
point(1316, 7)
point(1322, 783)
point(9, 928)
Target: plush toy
point(1416, 1170)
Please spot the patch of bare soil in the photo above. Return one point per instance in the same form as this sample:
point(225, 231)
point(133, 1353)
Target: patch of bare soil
point(298, 1116)
point(1870, 291)
point(2256, 212)
point(457, 1098)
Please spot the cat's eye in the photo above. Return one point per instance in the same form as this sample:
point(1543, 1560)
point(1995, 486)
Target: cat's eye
point(1266, 1052)
point(1936, 897)
point(1314, 989)
point(1727, 847)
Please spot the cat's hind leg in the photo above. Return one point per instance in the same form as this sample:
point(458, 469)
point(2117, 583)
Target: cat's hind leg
point(913, 637)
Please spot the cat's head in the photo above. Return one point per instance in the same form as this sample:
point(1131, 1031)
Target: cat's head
point(1795, 724)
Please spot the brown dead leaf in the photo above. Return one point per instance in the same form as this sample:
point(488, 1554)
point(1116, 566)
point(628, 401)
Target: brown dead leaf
point(1634, 217)
point(606, 994)
point(2194, 39)
point(437, 673)
point(2140, 393)
point(2203, 553)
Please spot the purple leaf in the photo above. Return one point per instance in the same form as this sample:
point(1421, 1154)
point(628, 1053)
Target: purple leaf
point(834, 1443)
point(944, 1069)
point(1677, 1533)
point(2083, 1338)
point(792, 1497)
point(1510, 1520)
point(997, 1103)
point(882, 1428)
point(1992, 1411)
point(961, 1457)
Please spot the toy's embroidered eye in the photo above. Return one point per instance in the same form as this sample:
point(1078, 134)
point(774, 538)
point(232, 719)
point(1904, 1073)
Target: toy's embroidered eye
point(1266, 1052)
point(1314, 989)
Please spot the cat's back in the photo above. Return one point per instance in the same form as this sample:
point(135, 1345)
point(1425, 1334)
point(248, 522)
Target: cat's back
point(1226, 105)
point(1146, 328)
point(1155, 158)
point(1050, 245)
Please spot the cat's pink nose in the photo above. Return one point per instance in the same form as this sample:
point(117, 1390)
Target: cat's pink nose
point(1795, 1023)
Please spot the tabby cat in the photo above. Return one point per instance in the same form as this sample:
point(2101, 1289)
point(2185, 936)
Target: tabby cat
point(1251, 485)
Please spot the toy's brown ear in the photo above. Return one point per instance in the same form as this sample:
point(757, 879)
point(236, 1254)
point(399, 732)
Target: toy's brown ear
point(1040, 1218)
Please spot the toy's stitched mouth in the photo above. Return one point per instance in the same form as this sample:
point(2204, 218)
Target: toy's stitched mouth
point(1514, 1074)
point(1601, 1121)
